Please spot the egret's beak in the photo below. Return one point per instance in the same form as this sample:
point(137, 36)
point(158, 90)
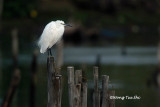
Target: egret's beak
point(67, 25)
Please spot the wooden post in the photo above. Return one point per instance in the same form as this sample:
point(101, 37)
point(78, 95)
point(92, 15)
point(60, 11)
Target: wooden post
point(96, 94)
point(84, 87)
point(105, 80)
point(84, 94)
point(78, 81)
point(12, 88)
point(111, 101)
point(54, 84)
point(33, 79)
point(14, 34)
point(58, 91)
point(77, 95)
point(71, 85)
point(78, 76)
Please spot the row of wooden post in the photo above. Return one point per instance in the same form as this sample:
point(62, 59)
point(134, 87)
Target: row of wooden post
point(77, 88)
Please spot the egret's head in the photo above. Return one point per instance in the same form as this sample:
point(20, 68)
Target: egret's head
point(62, 23)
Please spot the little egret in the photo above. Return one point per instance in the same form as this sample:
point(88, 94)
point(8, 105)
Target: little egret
point(51, 34)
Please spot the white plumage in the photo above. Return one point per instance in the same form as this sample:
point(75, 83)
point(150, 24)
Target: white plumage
point(52, 33)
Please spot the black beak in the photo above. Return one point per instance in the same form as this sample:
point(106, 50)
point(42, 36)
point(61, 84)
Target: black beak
point(67, 25)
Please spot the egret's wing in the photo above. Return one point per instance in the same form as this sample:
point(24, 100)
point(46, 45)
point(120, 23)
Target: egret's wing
point(47, 36)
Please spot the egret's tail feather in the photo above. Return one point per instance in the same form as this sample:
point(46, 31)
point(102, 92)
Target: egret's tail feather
point(41, 51)
point(42, 48)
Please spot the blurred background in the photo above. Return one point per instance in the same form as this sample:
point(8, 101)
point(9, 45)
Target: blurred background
point(121, 37)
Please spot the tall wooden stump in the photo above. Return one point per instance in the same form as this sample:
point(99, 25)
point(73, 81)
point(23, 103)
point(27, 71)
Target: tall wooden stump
point(84, 93)
point(54, 84)
point(71, 85)
point(77, 95)
point(96, 94)
point(84, 87)
point(105, 80)
point(78, 85)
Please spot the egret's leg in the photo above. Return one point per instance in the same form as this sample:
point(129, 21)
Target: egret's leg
point(50, 51)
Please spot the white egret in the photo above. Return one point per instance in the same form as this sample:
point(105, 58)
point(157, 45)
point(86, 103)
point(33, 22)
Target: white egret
point(52, 33)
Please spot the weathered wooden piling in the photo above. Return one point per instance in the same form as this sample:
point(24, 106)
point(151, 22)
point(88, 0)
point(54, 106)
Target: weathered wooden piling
point(12, 88)
point(96, 94)
point(105, 80)
point(78, 85)
point(71, 86)
point(58, 90)
point(77, 95)
point(54, 84)
point(84, 86)
point(84, 94)
point(78, 76)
